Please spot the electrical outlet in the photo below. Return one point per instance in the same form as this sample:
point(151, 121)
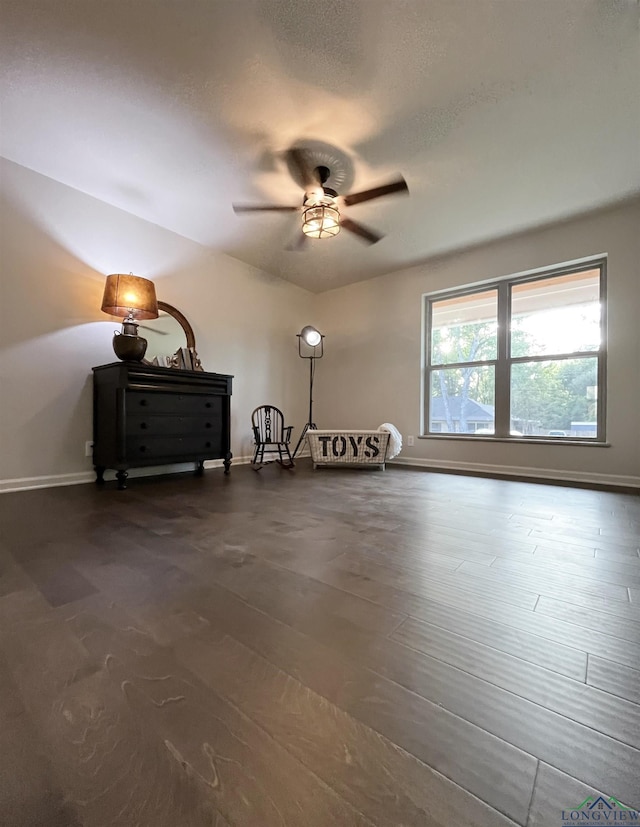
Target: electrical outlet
point(88, 448)
point(410, 441)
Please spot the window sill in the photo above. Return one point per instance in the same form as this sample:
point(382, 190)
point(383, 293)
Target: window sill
point(518, 440)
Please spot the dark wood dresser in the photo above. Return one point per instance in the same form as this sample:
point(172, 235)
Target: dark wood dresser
point(145, 415)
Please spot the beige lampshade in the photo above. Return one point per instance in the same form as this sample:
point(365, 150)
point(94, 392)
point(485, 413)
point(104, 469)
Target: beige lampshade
point(128, 294)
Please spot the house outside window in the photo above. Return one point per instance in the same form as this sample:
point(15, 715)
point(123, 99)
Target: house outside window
point(521, 358)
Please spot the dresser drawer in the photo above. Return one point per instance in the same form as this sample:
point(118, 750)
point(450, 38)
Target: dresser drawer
point(157, 425)
point(156, 402)
point(147, 449)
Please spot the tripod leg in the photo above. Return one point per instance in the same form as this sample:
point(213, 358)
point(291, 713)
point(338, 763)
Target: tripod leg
point(301, 440)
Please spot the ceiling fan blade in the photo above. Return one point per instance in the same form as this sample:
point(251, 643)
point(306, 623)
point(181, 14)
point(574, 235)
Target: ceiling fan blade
point(360, 230)
point(367, 195)
point(299, 159)
point(240, 208)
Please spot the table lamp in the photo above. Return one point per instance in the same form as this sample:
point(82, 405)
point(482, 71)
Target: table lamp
point(132, 298)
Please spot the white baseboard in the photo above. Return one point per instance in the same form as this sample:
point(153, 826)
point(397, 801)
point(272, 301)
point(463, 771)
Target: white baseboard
point(83, 477)
point(51, 481)
point(542, 474)
point(218, 463)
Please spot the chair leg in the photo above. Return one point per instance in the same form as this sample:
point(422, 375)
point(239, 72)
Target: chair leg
point(256, 462)
point(289, 457)
point(283, 451)
point(284, 455)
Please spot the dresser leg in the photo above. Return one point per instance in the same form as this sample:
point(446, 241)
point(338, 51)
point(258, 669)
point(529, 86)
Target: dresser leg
point(121, 476)
point(199, 467)
point(100, 469)
point(227, 462)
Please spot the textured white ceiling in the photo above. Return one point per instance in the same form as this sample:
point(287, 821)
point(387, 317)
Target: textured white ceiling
point(500, 114)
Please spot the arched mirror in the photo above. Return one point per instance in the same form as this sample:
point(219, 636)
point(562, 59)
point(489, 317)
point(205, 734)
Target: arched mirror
point(171, 342)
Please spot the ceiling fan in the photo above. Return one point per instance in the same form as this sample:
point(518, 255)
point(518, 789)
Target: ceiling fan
point(321, 206)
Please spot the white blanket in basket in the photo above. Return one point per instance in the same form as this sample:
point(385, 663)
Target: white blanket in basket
point(395, 439)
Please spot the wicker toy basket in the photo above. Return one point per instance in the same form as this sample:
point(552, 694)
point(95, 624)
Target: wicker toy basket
point(348, 447)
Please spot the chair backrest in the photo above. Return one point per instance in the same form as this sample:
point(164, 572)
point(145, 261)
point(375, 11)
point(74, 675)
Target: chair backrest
point(267, 422)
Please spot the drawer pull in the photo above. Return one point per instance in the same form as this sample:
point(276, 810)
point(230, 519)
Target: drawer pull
point(207, 404)
point(207, 424)
point(143, 448)
point(143, 402)
point(207, 445)
point(143, 425)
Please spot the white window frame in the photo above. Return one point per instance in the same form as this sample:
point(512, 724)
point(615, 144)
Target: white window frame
point(504, 361)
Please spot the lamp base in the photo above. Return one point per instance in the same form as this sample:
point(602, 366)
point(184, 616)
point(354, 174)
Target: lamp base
point(129, 348)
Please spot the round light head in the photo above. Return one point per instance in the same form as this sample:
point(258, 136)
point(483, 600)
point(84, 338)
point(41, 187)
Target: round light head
point(310, 336)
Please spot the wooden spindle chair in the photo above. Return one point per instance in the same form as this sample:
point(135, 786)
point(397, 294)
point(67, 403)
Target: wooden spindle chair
point(271, 437)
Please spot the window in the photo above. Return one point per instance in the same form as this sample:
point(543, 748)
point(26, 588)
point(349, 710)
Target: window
point(521, 358)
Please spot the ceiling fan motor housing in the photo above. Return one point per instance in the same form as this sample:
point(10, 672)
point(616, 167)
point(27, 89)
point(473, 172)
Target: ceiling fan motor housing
point(313, 196)
point(323, 174)
point(326, 197)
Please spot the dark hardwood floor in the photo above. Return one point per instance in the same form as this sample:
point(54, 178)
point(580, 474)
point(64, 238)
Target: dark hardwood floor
point(300, 648)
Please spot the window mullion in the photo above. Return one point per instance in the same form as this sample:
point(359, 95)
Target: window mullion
point(426, 389)
point(503, 402)
point(602, 362)
point(480, 363)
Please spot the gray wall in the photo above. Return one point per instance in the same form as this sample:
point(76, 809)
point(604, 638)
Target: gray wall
point(371, 372)
point(57, 244)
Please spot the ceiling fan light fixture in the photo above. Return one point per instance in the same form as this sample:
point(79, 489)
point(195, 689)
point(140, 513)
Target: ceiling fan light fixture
point(320, 221)
point(320, 213)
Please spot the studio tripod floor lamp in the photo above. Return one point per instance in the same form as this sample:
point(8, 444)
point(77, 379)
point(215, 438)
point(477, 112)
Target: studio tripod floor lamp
point(311, 347)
